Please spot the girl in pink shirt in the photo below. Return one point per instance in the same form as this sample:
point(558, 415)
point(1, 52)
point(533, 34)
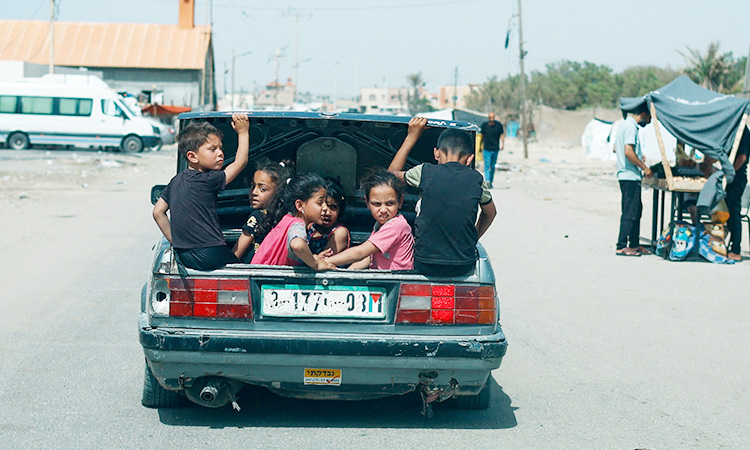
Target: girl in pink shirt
point(391, 244)
point(287, 243)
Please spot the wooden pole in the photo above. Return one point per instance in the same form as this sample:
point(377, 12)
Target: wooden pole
point(738, 138)
point(664, 159)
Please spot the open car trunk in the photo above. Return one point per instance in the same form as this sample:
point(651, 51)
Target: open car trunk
point(342, 146)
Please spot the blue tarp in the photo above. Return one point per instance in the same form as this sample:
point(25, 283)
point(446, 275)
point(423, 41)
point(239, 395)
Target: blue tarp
point(700, 118)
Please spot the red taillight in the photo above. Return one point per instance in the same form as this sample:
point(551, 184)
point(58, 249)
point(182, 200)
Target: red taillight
point(206, 297)
point(446, 304)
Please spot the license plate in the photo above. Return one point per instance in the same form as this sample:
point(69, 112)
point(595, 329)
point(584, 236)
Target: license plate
point(291, 300)
point(329, 377)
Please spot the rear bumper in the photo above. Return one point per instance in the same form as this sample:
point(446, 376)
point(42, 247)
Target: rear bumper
point(371, 365)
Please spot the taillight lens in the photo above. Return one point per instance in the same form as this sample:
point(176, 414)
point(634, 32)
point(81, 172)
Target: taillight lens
point(202, 297)
point(446, 304)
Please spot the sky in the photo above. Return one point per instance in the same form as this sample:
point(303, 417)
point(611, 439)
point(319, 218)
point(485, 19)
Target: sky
point(343, 45)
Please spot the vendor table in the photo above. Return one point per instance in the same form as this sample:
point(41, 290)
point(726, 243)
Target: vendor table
point(677, 197)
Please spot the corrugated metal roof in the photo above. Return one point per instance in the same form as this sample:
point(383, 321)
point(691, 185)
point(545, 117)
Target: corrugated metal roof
point(106, 44)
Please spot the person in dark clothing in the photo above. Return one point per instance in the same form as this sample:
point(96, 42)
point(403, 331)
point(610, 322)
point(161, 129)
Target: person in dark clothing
point(491, 141)
point(194, 230)
point(446, 229)
point(734, 197)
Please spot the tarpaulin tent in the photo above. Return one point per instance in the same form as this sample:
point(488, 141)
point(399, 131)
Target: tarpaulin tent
point(703, 119)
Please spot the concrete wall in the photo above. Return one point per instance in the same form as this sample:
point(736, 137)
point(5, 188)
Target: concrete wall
point(180, 87)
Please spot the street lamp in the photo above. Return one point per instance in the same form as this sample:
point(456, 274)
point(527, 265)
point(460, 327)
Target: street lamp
point(234, 57)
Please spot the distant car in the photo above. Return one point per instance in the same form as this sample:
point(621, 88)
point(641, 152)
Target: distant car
point(166, 132)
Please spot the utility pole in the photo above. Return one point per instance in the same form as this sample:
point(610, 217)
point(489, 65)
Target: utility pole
point(746, 87)
point(276, 58)
point(455, 88)
point(521, 55)
point(52, 36)
point(296, 14)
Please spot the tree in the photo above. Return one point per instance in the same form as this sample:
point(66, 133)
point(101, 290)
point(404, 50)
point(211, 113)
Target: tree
point(415, 101)
point(638, 81)
point(711, 70)
point(502, 97)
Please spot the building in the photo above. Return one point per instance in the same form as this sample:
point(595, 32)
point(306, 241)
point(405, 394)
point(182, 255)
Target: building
point(445, 96)
point(277, 96)
point(171, 62)
point(377, 100)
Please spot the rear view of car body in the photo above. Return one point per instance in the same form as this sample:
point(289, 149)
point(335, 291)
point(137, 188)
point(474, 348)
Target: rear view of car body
point(343, 334)
point(441, 337)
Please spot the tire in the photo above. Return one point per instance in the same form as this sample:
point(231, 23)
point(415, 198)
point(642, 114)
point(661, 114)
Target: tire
point(154, 395)
point(132, 144)
point(479, 401)
point(158, 146)
point(18, 141)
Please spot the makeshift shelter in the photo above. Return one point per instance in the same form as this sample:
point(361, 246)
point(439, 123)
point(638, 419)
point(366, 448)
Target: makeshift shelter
point(705, 120)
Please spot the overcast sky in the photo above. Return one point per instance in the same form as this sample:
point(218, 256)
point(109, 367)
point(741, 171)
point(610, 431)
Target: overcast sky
point(346, 44)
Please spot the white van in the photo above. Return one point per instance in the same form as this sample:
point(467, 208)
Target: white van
point(47, 112)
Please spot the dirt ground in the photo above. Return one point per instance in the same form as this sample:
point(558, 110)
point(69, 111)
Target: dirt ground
point(604, 351)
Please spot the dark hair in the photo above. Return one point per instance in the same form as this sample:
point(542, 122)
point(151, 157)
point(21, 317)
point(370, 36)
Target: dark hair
point(640, 109)
point(279, 172)
point(195, 135)
point(301, 187)
point(336, 192)
point(453, 141)
point(380, 177)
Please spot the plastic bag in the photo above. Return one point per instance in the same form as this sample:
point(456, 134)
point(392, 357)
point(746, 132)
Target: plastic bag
point(710, 247)
point(683, 241)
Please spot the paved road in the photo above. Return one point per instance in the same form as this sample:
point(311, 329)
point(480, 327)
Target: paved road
point(605, 352)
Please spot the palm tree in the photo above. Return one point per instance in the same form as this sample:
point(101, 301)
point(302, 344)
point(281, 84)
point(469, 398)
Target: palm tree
point(709, 70)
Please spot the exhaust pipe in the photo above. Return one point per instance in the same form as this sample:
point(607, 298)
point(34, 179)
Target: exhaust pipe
point(213, 392)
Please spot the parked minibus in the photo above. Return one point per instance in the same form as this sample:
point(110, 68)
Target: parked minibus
point(46, 112)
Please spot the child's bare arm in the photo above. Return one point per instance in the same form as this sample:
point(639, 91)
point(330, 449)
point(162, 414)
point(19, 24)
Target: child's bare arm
point(353, 254)
point(416, 127)
point(302, 250)
point(243, 243)
point(241, 125)
point(160, 216)
point(339, 241)
point(486, 216)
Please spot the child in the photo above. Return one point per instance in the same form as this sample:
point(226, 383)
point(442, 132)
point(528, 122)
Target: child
point(390, 246)
point(286, 244)
point(331, 234)
point(446, 227)
point(266, 197)
point(194, 229)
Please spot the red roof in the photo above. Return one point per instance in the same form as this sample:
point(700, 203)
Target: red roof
point(165, 110)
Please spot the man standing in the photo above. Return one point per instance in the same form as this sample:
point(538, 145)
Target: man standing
point(491, 141)
point(734, 197)
point(630, 169)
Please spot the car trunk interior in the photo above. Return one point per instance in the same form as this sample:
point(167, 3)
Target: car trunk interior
point(339, 147)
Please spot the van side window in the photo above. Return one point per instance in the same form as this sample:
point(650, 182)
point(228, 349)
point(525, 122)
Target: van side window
point(8, 103)
point(75, 106)
point(110, 108)
point(36, 105)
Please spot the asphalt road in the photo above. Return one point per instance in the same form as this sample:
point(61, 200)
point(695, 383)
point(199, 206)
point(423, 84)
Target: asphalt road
point(605, 352)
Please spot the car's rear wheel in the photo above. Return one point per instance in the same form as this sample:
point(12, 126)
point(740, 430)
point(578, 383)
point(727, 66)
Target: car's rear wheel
point(18, 141)
point(154, 395)
point(479, 401)
point(158, 146)
point(132, 144)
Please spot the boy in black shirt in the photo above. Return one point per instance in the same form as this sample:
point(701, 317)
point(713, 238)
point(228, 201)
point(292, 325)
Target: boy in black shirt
point(446, 229)
point(194, 229)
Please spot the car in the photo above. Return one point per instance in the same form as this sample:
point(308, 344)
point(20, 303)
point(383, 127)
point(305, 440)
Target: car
point(206, 335)
point(166, 133)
